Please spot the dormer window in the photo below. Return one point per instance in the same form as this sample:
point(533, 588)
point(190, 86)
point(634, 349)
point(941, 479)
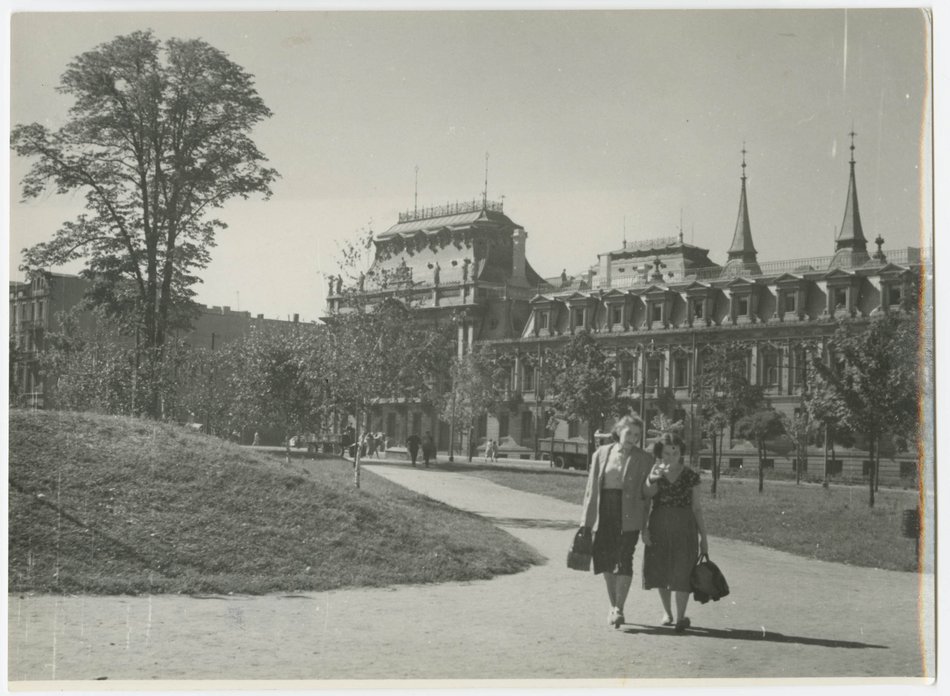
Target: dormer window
point(790, 300)
point(543, 320)
point(894, 295)
point(698, 309)
point(616, 315)
point(656, 312)
point(743, 307)
point(580, 315)
point(840, 297)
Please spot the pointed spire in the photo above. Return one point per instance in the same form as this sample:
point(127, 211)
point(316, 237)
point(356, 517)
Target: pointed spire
point(742, 253)
point(851, 247)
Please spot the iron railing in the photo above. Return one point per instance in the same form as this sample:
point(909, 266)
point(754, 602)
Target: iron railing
point(457, 208)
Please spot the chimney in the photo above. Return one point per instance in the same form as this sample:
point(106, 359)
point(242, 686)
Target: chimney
point(296, 318)
point(260, 316)
point(226, 309)
point(518, 238)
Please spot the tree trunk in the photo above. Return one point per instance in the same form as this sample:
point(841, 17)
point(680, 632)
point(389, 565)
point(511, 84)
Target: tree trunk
point(471, 443)
point(761, 467)
point(825, 477)
point(356, 455)
point(871, 476)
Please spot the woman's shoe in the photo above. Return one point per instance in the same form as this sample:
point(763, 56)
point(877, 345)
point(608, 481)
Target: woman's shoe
point(612, 617)
point(667, 620)
point(619, 621)
point(682, 625)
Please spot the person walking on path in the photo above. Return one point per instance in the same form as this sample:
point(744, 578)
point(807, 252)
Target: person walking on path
point(428, 450)
point(491, 451)
point(675, 521)
point(615, 510)
point(412, 444)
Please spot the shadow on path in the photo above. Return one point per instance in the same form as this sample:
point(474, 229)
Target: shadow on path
point(752, 635)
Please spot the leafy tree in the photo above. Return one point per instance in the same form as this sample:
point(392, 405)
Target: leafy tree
point(724, 394)
point(799, 428)
point(477, 380)
point(761, 426)
point(157, 138)
point(275, 380)
point(583, 386)
point(873, 380)
point(373, 354)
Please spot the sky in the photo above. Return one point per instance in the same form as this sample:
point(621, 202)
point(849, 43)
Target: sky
point(597, 124)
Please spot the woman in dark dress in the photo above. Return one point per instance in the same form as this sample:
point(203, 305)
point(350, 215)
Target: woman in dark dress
point(676, 520)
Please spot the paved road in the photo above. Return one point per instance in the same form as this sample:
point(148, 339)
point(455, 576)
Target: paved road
point(787, 617)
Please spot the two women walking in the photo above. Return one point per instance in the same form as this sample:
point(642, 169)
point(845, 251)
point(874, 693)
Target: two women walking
point(622, 483)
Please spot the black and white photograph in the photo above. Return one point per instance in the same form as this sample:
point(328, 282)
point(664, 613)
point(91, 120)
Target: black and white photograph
point(439, 347)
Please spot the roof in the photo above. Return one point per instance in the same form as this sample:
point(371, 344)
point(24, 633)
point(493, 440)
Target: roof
point(434, 224)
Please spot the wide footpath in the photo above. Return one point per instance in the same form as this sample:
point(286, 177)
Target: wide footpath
point(787, 617)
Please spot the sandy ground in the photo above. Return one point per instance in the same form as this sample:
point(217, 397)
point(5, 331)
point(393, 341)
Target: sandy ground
point(787, 617)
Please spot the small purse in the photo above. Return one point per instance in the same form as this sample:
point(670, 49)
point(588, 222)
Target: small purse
point(580, 555)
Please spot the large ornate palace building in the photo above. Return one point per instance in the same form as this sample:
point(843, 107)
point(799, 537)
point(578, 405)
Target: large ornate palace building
point(654, 304)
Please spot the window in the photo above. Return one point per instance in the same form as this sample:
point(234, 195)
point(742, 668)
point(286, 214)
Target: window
point(656, 311)
point(481, 426)
point(653, 372)
point(573, 428)
point(705, 463)
point(790, 301)
point(543, 320)
point(735, 463)
point(841, 297)
point(502, 425)
point(768, 463)
point(528, 384)
point(616, 314)
point(417, 424)
point(626, 373)
point(834, 467)
point(39, 311)
point(742, 307)
point(391, 424)
point(894, 295)
point(770, 361)
point(580, 315)
point(527, 426)
point(698, 309)
point(680, 371)
point(866, 468)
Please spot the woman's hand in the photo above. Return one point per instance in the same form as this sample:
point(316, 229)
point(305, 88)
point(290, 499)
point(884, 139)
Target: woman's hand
point(703, 545)
point(645, 535)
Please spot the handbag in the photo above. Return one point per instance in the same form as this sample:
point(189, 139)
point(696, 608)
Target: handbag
point(581, 553)
point(707, 581)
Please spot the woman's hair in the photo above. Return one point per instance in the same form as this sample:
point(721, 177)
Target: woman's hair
point(625, 422)
point(667, 439)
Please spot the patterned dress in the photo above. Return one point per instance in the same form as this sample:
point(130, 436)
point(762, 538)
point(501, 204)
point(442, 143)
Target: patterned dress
point(669, 559)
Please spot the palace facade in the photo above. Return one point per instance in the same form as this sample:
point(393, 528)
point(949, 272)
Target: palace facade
point(655, 305)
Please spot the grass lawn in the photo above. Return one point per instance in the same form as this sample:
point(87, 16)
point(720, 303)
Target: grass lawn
point(832, 524)
point(113, 505)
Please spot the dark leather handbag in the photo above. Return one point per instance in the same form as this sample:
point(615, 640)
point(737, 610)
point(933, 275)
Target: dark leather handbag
point(582, 550)
point(707, 581)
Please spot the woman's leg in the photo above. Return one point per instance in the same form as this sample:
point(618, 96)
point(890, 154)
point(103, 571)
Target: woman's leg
point(621, 589)
point(681, 600)
point(667, 607)
point(611, 581)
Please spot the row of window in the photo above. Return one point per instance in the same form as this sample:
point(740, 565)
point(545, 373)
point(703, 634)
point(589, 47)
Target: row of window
point(697, 306)
point(769, 371)
point(28, 311)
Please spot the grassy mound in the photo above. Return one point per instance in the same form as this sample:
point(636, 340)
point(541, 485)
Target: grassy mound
point(102, 504)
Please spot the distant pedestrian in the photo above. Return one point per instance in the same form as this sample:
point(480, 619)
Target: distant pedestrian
point(412, 444)
point(491, 451)
point(257, 439)
point(428, 450)
point(615, 510)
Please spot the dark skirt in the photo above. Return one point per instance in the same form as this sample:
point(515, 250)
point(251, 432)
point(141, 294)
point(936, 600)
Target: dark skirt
point(613, 547)
point(669, 558)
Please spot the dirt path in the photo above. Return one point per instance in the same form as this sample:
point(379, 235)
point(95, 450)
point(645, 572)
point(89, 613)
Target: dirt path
point(787, 617)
